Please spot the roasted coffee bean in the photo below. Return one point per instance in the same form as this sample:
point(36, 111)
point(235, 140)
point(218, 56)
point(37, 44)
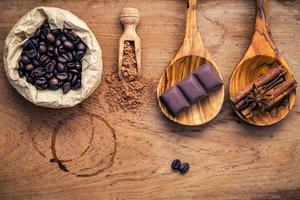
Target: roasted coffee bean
point(42, 48)
point(21, 66)
point(71, 65)
point(31, 53)
point(21, 73)
point(74, 71)
point(81, 47)
point(68, 45)
point(70, 76)
point(56, 32)
point(53, 82)
point(74, 79)
point(72, 36)
point(44, 60)
point(38, 72)
point(61, 49)
point(77, 85)
point(51, 48)
point(51, 59)
point(78, 66)
point(29, 79)
point(63, 39)
point(79, 55)
point(66, 87)
point(176, 164)
point(57, 42)
point(25, 60)
point(184, 167)
point(69, 56)
point(49, 75)
point(62, 58)
point(35, 63)
point(40, 80)
point(62, 76)
point(60, 67)
point(50, 38)
point(49, 67)
point(29, 67)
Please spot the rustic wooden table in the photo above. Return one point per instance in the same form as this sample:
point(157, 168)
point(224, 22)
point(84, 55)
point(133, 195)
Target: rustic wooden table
point(127, 155)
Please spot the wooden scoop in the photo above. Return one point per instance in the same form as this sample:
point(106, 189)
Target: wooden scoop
point(130, 18)
point(260, 55)
point(191, 55)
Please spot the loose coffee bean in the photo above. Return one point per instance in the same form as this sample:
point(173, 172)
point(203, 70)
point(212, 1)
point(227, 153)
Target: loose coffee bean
point(50, 38)
point(184, 167)
point(176, 164)
point(68, 45)
point(51, 59)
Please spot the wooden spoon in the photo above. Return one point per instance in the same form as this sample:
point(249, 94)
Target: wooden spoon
point(260, 55)
point(191, 55)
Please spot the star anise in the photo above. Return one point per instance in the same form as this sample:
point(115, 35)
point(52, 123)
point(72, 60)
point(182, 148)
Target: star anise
point(258, 98)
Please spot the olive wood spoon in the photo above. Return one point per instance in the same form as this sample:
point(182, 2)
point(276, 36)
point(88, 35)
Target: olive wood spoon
point(260, 55)
point(191, 55)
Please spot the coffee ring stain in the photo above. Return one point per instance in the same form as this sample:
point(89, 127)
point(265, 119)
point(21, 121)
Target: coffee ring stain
point(62, 162)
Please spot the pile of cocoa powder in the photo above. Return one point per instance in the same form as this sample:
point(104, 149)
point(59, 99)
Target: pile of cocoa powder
point(130, 93)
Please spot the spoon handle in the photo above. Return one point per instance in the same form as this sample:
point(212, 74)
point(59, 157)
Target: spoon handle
point(262, 16)
point(191, 19)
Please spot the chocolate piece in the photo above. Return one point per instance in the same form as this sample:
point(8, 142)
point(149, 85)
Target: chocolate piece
point(174, 101)
point(208, 77)
point(192, 89)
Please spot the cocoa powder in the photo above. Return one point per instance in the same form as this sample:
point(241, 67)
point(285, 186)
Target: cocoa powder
point(128, 94)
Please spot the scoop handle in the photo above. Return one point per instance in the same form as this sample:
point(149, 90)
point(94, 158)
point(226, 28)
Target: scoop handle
point(262, 15)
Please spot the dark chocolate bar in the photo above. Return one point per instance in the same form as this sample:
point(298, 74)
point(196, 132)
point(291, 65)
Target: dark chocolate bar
point(174, 101)
point(196, 86)
point(208, 77)
point(192, 89)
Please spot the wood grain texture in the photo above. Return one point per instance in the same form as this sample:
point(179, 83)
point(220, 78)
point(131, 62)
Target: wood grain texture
point(229, 159)
point(258, 59)
point(190, 56)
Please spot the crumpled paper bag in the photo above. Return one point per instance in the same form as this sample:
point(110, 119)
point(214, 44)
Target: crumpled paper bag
point(91, 64)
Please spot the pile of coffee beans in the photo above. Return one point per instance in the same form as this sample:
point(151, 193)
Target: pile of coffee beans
point(52, 59)
point(182, 167)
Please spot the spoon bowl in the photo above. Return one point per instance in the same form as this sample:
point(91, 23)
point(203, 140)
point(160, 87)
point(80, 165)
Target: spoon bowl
point(260, 56)
point(190, 56)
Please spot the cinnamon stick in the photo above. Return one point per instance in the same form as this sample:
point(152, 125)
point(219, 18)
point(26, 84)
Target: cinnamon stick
point(278, 93)
point(276, 71)
point(242, 103)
